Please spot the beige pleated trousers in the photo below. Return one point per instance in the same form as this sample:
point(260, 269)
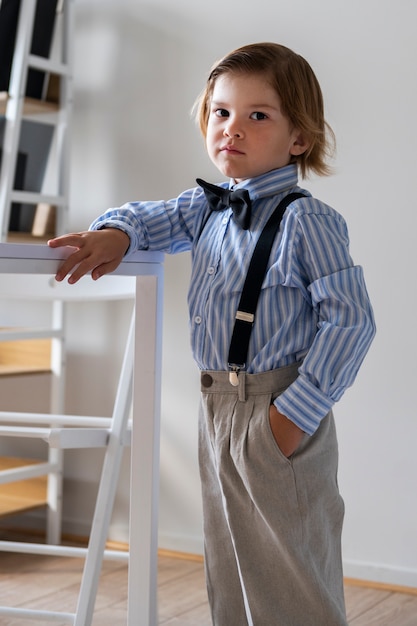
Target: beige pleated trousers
point(272, 525)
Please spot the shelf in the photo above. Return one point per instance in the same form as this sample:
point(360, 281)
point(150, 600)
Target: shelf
point(23, 495)
point(23, 237)
point(31, 106)
point(25, 356)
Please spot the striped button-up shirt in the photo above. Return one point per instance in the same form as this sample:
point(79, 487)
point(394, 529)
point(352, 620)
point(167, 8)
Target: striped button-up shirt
point(313, 307)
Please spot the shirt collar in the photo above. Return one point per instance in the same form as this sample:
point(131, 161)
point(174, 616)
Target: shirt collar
point(271, 183)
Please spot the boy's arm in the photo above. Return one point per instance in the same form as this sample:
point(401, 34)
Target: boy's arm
point(336, 290)
point(99, 252)
point(166, 226)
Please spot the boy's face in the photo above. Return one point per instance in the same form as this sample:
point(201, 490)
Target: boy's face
point(247, 135)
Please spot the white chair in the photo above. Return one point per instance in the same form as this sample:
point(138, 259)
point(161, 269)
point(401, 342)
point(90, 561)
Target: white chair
point(62, 431)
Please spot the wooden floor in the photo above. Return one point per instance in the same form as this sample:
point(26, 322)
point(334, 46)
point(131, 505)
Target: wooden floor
point(51, 583)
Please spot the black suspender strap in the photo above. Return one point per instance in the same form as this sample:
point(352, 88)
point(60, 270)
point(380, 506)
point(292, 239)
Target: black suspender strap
point(245, 315)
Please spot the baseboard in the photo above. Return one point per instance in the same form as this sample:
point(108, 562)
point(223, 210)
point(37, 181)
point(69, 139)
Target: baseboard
point(180, 543)
point(381, 576)
point(21, 533)
point(369, 584)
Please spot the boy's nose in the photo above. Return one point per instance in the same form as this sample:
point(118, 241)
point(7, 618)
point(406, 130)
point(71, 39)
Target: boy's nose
point(231, 131)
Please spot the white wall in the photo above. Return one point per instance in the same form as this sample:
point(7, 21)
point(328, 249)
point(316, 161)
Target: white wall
point(138, 67)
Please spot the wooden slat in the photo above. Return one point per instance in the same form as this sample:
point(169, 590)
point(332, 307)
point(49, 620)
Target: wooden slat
point(21, 237)
point(25, 356)
point(31, 106)
point(22, 495)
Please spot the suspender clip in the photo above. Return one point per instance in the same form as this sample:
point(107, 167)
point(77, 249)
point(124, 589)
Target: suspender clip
point(234, 373)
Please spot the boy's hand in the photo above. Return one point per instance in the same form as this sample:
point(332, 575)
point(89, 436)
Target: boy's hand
point(96, 251)
point(287, 435)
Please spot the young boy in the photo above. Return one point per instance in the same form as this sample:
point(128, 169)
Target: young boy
point(267, 443)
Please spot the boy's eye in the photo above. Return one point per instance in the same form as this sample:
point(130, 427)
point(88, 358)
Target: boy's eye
point(258, 116)
point(221, 113)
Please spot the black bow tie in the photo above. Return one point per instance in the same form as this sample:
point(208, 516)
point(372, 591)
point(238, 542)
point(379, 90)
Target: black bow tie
point(220, 199)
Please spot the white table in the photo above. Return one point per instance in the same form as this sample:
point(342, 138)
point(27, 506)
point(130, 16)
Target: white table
point(148, 269)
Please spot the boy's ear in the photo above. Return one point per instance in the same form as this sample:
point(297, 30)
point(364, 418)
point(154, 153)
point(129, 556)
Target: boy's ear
point(299, 145)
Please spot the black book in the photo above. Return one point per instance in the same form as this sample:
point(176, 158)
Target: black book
point(19, 183)
point(9, 14)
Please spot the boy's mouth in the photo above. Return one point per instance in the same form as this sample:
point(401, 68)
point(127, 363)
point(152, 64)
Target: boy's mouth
point(230, 148)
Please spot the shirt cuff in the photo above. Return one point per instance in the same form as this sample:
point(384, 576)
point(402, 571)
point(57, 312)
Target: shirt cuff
point(119, 225)
point(304, 404)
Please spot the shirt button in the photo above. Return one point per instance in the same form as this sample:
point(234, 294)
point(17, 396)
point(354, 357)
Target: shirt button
point(225, 220)
point(210, 270)
point(197, 319)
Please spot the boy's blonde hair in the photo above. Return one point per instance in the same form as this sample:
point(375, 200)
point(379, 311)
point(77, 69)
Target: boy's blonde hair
point(298, 90)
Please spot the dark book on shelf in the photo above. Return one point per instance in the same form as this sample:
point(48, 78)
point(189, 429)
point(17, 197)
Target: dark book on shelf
point(9, 14)
point(19, 183)
point(34, 149)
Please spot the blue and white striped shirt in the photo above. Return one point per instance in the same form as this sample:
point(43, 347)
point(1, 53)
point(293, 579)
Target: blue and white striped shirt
point(313, 305)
